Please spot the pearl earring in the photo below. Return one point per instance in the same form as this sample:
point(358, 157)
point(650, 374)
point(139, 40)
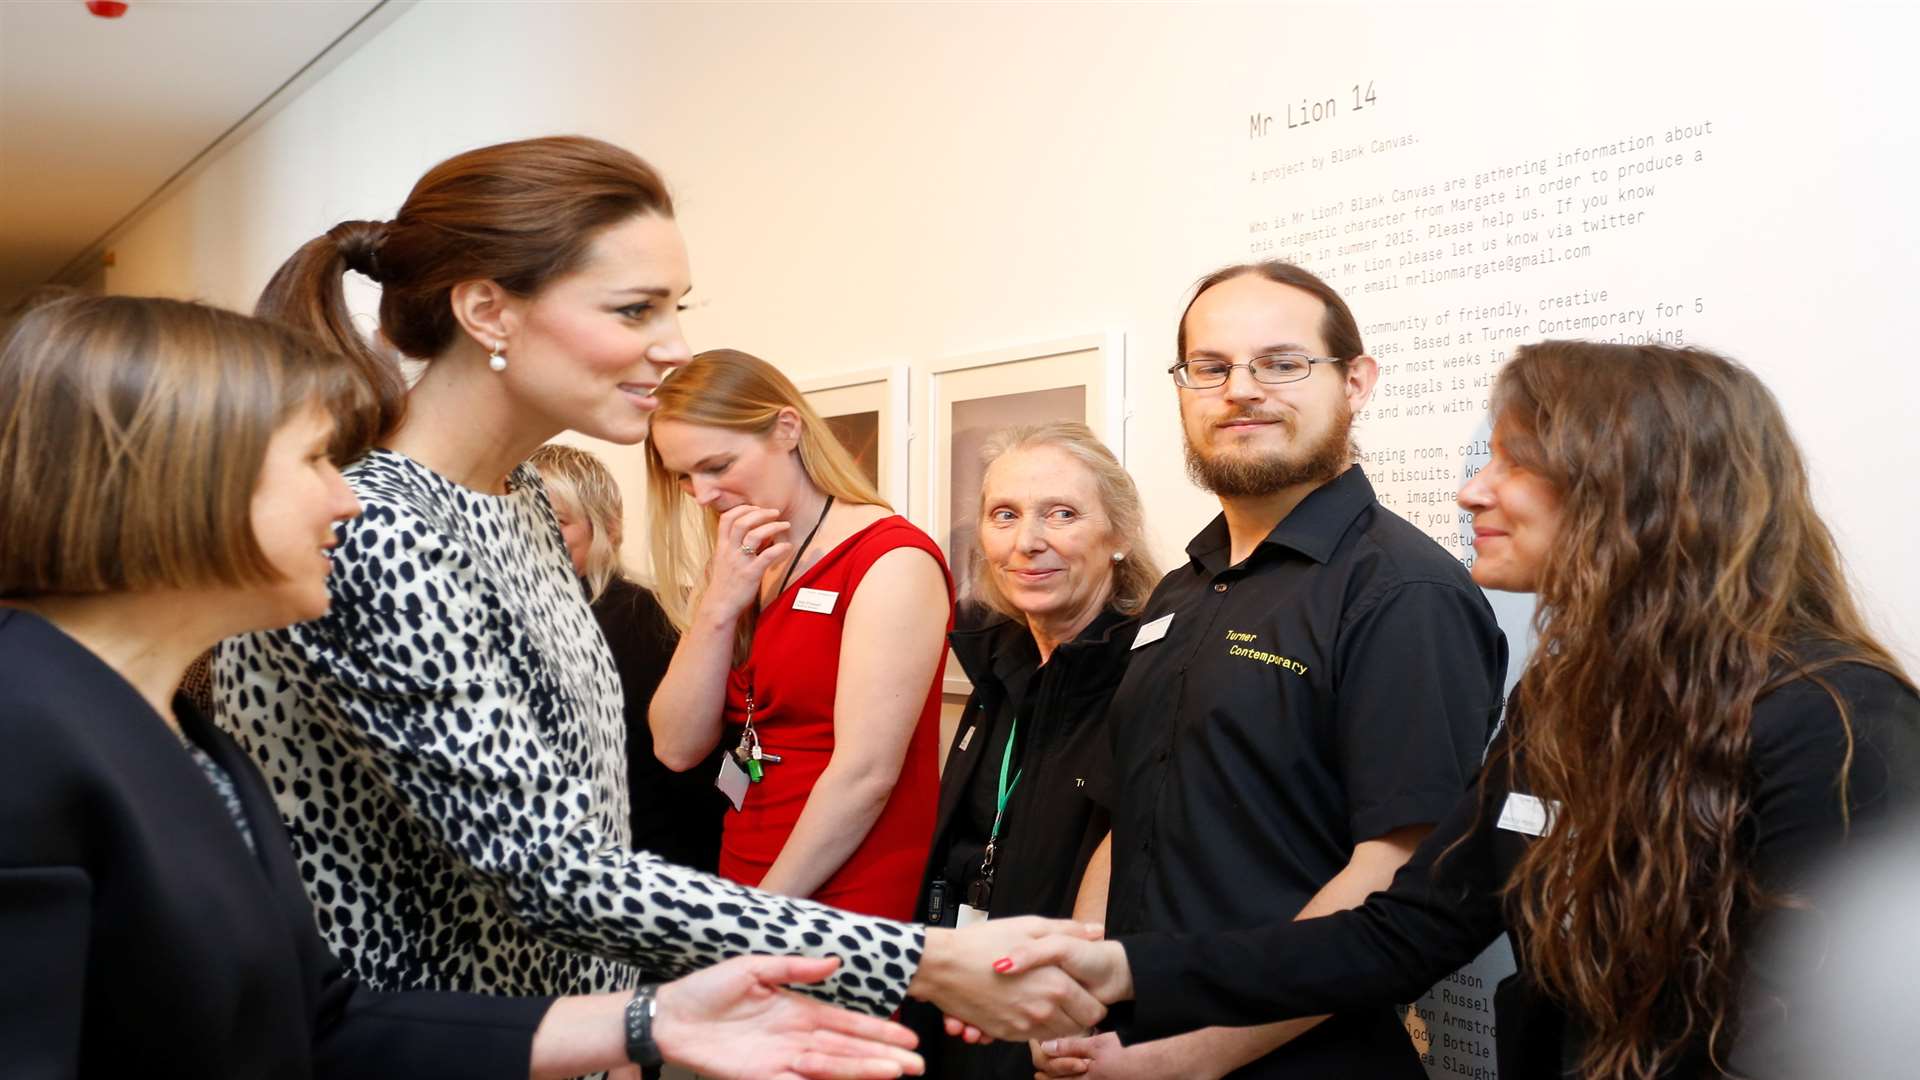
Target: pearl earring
point(495, 360)
point(1119, 556)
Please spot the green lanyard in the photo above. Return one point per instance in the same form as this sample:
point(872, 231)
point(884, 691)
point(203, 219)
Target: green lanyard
point(1006, 787)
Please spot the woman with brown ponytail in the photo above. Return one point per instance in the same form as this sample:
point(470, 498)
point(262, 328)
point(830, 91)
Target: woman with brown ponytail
point(1705, 718)
point(447, 743)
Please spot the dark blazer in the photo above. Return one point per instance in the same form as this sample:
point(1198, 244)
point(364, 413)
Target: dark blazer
point(140, 936)
point(1053, 827)
point(675, 815)
point(1440, 913)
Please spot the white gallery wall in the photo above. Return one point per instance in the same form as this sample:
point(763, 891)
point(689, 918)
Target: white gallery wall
point(869, 185)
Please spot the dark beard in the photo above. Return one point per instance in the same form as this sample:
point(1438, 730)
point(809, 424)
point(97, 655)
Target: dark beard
point(1237, 477)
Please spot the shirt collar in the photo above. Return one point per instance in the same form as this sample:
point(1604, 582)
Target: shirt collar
point(1312, 529)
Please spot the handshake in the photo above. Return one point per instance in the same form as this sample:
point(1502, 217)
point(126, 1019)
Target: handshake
point(1020, 978)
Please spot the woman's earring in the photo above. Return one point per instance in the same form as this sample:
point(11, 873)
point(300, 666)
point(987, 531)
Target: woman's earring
point(1119, 556)
point(495, 360)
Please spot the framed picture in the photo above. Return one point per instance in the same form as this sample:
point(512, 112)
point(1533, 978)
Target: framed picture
point(867, 409)
point(971, 397)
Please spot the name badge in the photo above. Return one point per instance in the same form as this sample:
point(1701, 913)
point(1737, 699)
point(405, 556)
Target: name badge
point(1527, 814)
point(1153, 631)
point(733, 781)
point(968, 737)
point(819, 601)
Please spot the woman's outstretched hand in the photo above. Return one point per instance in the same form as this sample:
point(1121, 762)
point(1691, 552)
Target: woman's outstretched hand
point(735, 1021)
point(1099, 966)
point(965, 973)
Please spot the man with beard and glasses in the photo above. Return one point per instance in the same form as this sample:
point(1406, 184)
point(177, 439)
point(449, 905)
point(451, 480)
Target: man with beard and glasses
point(1306, 696)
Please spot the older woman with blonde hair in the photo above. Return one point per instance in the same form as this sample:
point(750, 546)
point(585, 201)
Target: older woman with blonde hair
point(675, 815)
point(1061, 568)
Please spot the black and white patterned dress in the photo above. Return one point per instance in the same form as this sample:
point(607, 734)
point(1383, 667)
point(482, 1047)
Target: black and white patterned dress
point(447, 746)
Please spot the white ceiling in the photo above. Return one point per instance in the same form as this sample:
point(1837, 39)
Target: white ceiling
point(98, 115)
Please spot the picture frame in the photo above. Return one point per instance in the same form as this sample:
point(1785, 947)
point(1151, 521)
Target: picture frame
point(868, 409)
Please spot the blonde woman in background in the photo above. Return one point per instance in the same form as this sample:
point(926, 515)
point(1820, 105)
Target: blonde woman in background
point(675, 815)
point(812, 622)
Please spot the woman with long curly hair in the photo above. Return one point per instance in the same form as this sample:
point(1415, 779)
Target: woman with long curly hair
point(1705, 717)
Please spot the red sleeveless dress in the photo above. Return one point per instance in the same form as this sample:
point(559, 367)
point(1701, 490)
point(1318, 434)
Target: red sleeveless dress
point(792, 671)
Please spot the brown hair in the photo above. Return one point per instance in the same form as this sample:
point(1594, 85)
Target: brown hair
point(1338, 327)
point(1692, 575)
point(132, 433)
point(724, 388)
point(581, 481)
point(520, 214)
point(1134, 576)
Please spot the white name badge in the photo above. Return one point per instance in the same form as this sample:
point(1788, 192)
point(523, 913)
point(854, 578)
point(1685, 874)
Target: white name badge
point(819, 601)
point(732, 781)
point(968, 915)
point(968, 737)
point(1153, 631)
point(1527, 814)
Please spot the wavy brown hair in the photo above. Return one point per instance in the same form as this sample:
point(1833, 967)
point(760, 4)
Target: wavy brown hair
point(1693, 576)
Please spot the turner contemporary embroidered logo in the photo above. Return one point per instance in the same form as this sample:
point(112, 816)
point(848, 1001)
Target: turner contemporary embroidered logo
point(1261, 655)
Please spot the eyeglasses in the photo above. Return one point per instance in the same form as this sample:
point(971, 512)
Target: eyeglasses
point(1283, 367)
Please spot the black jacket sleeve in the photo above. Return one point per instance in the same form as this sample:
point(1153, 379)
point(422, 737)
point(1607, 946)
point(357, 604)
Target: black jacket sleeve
point(1442, 909)
point(44, 917)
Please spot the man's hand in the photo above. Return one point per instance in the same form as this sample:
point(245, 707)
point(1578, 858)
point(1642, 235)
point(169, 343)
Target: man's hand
point(1101, 1057)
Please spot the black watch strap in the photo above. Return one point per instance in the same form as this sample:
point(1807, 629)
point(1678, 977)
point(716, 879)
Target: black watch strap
point(641, 1049)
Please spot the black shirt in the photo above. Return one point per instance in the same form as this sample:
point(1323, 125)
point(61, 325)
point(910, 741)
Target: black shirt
point(1440, 913)
point(674, 815)
point(1051, 828)
point(1339, 683)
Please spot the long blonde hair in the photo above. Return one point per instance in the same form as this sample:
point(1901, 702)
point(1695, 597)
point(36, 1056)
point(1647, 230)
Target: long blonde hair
point(580, 480)
point(725, 388)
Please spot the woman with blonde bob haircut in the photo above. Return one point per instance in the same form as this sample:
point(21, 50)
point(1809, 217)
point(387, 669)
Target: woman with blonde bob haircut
point(587, 504)
point(1060, 560)
point(166, 483)
point(675, 815)
point(815, 661)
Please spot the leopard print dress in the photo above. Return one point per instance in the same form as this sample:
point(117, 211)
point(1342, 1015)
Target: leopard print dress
point(448, 748)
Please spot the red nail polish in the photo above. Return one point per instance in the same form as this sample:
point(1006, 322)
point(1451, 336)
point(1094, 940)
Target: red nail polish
point(1003, 965)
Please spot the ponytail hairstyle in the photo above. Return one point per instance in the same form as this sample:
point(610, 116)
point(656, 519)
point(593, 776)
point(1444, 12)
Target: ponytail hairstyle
point(727, 389)
point(520, 214)
point(1691, 576)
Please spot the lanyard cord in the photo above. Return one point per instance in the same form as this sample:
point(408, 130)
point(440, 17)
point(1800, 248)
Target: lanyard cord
point(1006, 787)
point(802, 549)
point(749, 734)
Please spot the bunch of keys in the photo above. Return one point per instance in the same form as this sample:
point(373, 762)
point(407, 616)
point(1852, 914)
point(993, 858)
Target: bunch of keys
point(748, 754)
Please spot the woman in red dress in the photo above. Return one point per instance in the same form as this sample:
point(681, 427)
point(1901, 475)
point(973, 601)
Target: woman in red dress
point(813, 625)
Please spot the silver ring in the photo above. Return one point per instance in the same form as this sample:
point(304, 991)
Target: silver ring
point(749, 551)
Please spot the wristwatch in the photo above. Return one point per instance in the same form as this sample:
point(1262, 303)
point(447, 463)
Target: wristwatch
point(641, 1049)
